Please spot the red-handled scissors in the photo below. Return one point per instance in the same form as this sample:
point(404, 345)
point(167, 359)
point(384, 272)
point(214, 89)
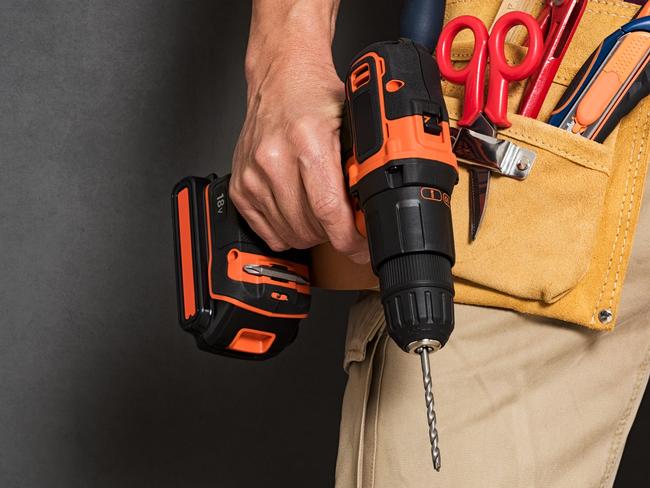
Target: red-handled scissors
point(478, 115)
point(501, 73)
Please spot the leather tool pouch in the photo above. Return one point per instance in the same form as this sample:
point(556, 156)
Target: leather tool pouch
point(556, 245)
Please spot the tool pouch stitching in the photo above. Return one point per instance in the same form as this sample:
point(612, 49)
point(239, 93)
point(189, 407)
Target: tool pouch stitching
point(642, 143)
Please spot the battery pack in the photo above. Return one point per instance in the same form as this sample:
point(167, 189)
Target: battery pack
point(236, 296)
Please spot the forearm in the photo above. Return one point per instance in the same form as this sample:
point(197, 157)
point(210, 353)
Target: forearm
point(287, 180)
point(289, 31)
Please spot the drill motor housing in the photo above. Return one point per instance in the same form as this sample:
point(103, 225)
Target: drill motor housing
point(401, 171)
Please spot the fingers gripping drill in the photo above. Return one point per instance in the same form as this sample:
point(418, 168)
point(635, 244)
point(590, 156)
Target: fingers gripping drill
point(401, 171)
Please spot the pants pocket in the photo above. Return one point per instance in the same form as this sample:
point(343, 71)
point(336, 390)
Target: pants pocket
point(366, 319)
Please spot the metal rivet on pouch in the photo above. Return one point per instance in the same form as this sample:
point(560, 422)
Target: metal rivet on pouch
point(605, 316)
point(523, 165)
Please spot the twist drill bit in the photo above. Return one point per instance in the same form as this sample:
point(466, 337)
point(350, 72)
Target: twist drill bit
point(431, 413)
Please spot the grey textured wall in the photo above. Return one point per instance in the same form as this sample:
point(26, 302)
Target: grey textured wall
point(103, 106)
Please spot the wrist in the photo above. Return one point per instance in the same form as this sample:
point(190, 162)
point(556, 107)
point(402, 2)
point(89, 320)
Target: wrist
point(285, 34)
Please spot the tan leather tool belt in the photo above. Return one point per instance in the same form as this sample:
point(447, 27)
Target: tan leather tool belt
point(556, 245)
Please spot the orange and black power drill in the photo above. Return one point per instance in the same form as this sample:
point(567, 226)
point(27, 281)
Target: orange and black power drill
point(239, 298)
point(401, 170)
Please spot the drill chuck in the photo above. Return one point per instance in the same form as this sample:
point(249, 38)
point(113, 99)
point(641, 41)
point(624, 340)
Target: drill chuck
point(410, 234)
point(418, 297)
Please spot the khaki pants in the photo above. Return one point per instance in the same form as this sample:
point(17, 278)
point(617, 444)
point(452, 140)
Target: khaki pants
point(521, 401)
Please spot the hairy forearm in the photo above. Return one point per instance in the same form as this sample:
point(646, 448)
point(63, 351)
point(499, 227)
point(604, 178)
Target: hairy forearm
point(289, 31)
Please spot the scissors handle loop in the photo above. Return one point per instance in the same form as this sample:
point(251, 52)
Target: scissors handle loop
point(472, 75)
point(502, 73)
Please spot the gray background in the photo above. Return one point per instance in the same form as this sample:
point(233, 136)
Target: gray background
point(104, 105)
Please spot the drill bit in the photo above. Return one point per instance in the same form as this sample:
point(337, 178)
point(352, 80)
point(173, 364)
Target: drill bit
point(431, 413)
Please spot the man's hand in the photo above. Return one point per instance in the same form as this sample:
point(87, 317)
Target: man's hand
point(287, 176)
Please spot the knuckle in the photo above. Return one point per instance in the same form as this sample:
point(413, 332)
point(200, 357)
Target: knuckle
point(243, 207)
point(314, 155)
point(248, 194)
point(234, 189)
point(236, 198)
point(304, 127)
point(327, 207)
point(268, 153)
point(236, 194)
point(248, 181)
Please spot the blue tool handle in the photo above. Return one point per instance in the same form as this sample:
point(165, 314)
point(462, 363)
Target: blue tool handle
point(422, 21)
point(590, 69)
point(635, 93)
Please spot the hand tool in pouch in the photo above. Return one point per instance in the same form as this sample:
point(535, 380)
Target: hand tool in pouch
point(559, 21)
point(480, 119)
point(236, 296)
point(614, 79)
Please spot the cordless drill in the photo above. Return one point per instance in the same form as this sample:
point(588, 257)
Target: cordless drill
point(239, 298)
point(401, 170)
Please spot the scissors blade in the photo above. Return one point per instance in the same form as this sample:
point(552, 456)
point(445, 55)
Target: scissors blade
point(497, 155)
point(482, 125)
point(479, 179)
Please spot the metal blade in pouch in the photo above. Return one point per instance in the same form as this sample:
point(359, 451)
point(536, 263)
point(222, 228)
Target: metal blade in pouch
point(497, 155)
point(479, 179)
